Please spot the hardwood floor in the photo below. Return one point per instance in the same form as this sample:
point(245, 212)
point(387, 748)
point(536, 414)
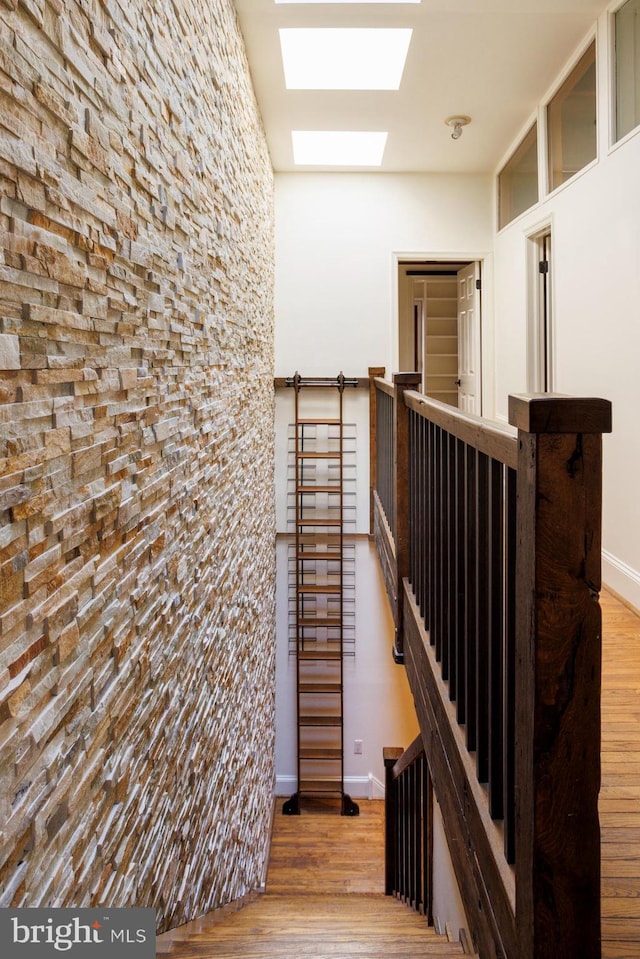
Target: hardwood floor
point(340, 854)
point(324, 899)
point(620, 791)
point(324, 886)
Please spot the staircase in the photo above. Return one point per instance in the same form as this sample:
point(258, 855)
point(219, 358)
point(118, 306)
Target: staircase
point(314, 926)
point(324, 899)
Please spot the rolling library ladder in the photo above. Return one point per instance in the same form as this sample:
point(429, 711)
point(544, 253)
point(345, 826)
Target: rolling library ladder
point(319, 627)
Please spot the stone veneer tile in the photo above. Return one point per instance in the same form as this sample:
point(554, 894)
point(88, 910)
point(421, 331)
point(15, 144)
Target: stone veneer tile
point(137, 587)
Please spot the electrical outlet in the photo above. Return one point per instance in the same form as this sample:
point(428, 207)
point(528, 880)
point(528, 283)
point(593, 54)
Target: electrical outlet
point(357, 747)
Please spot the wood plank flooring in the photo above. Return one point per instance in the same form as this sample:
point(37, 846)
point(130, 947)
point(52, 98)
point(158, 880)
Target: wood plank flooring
point(339, 854)
point(324, 899)
point(620, 791)
point(325, 880)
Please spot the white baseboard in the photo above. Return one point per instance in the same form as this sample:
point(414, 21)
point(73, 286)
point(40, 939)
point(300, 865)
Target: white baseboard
point(358, 787)
point(621, 578)
point(376, 787)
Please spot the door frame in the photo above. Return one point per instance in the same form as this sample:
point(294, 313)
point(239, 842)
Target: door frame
point(419, 337)
point(487, 360)
point(540, 312)
point(475, 269)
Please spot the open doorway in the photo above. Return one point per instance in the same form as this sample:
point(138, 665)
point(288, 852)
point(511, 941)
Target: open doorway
point(540, 313)
point(439, 306)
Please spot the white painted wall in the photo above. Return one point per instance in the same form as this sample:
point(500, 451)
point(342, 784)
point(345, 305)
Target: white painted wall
point(338, 238)
point(337, 241)
point(448, 908)
point(595, 222)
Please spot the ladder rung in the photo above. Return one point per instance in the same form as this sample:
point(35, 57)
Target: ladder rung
point(320, 455)
point(327, 539)
point(319, 521)
point(331, 754)
point(321, 556)
point(320, 590)
point(321, 786)
point(319, 654)
point(330, 621)
point(332, 688)
point(320, 721)
point(309, 421)
point(319, 489)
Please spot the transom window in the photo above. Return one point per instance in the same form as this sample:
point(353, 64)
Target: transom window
point(627, 66)
point(571, 122)
point(518, 180)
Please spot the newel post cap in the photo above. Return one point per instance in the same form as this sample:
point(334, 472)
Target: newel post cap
point(556, 413)
point(406, 379)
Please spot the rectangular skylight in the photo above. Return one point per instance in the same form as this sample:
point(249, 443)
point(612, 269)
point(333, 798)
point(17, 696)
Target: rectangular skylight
point(337, 148)
point(344, 58)
point(344, 2)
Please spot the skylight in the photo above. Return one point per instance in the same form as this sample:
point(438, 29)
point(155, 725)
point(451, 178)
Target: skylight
point(346, 1)
point(337, 148)
point(349, 58)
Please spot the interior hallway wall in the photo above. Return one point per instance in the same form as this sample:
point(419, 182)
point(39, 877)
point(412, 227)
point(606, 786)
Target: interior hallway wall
point(596, 334)
point(337, 239)
point(336, 236)
point(137, 586)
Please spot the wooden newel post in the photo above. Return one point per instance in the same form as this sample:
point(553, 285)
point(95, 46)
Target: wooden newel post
point(558, 659)
point(374, 371)
point(401, 382)
point(390, 755)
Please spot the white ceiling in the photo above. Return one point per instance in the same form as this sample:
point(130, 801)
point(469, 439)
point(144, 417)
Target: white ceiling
point(491, 59)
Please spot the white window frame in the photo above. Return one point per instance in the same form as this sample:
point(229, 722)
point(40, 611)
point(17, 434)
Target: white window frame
point(612, 81)
point(590, 40)
point(534, 124)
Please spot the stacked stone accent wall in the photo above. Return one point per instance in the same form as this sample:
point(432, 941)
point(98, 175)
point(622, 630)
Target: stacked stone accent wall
point(137, 585)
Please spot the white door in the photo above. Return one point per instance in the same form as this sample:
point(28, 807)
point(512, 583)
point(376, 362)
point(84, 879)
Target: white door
point(469, 359)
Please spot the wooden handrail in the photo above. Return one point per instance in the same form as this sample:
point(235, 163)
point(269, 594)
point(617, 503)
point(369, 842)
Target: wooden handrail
point(385, 386)
point(402, 382)
point(497, 614)
point(374, 373)
point(390, 508)
point(493, 439)
point(408, 757)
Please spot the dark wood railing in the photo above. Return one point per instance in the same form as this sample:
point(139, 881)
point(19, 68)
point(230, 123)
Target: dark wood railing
point(462, 513)
point(390, 503)
point(409, 827)
point(384, 453)
point(494, 593)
